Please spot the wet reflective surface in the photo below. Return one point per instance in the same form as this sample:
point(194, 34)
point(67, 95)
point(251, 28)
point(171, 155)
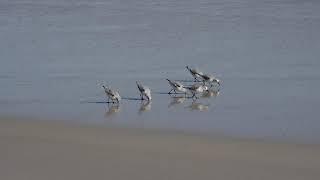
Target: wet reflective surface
point(56, 54)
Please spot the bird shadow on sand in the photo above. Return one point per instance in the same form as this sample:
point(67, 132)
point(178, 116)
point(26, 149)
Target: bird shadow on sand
point(98, 102)
point(131, 98)
point(110, 102)
point(187, 80)
point(167, 93)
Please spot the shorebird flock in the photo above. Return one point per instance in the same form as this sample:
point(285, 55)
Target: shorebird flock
point(202, 83)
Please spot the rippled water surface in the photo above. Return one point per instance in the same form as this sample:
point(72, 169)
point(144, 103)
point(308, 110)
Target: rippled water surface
point(55, 55)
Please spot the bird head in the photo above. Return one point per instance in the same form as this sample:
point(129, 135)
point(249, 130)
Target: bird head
point(205, 88)
point(218, 81)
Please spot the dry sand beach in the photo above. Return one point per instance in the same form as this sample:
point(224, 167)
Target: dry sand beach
point(38, 150)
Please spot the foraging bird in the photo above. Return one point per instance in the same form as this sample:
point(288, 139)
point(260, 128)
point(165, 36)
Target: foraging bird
point(197, 88)
point(112, 94)
point(210, 79)
point(176, 86)
point(144, 91)
point(195, 73)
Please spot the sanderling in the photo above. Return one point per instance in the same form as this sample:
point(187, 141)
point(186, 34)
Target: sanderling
point(112, 94)
point(195, 73)
point(176, 86)
point(210, 79)
point(197, 88)
point(144, 91)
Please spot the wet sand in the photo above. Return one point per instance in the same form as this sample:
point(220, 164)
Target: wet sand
point(55, 150)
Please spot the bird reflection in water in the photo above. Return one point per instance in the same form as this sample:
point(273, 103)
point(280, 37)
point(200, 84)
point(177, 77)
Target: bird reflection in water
point(210, 93)
point(176, 100)
point(145, 106)
point(197, 106)
point(112, 110)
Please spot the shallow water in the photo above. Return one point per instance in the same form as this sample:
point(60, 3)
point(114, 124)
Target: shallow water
point(55, 55)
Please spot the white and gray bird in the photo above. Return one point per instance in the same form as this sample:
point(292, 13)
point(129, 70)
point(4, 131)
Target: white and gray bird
point(195, 73)
point(197, 88)
point(144, 91)
point(176, 86)
point(112, 94)
point(210, 79)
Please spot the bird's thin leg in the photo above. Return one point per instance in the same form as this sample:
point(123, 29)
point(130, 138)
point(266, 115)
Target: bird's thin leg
point(175, 91)
point(170, 91)
point(141, 96)
point(194, 95)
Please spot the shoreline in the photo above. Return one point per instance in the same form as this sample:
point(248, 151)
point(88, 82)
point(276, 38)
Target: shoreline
point(217, 136)
point(54, 150)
